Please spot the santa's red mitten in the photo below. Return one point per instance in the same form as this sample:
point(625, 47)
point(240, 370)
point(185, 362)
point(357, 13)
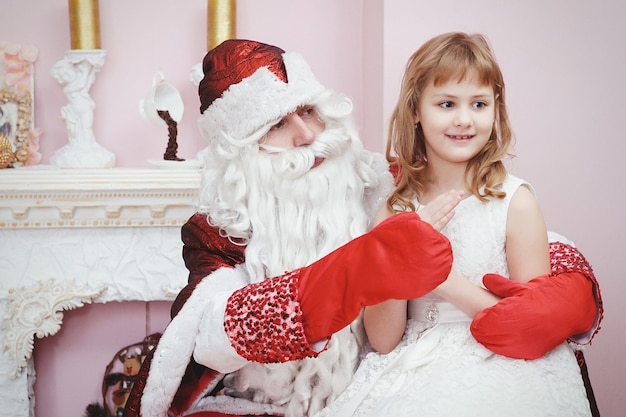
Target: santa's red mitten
point(280, 318)
point(535, 317)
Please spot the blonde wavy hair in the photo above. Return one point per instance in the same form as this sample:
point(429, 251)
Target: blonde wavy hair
point(450, 56)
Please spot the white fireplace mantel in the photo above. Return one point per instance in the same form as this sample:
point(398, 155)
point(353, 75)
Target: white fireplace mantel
point(75, 236)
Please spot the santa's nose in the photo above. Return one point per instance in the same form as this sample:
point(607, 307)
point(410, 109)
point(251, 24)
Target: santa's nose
point(302, 133)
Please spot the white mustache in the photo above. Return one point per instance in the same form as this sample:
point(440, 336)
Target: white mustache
point(296, 162)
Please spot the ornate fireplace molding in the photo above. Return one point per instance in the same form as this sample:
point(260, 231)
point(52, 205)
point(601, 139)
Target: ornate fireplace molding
point(76, 236)
point(44, 198)
point(37, 310)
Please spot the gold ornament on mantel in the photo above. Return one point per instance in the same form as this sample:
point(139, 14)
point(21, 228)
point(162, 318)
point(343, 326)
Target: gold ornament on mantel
point(84, 24)
point(7, 157)
point(26, 139)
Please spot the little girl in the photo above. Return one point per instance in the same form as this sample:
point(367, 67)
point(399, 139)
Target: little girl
point(450, 131)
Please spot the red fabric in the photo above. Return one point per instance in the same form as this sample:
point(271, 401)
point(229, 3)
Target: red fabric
point(367, 265)
point(264, 322)
point(401, 258)
point(278, 319)
point(232, 61)
point(204, 251)
point(595, 412)
point(133, 403)
point(535, 317)
point(396, 171)
point(193, 385)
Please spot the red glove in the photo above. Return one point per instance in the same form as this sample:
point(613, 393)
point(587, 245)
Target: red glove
point(277, 319)
point(535, 317)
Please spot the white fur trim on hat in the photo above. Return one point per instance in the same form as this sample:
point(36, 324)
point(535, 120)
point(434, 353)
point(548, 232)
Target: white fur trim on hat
point(259, 100)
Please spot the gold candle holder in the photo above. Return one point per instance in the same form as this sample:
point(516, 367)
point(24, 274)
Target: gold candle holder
point(221, 21)
point(84, 24)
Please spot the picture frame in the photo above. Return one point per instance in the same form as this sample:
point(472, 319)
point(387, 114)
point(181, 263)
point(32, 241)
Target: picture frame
point(17, 106)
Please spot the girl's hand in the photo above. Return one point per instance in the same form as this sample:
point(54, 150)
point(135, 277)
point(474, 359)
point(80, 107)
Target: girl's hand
point(439, 211)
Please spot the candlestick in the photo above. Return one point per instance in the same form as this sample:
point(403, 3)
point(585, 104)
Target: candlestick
point(84, 24)
point(221, 21)
point(221, 25)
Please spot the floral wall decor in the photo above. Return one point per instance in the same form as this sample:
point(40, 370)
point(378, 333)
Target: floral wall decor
point(19, 140)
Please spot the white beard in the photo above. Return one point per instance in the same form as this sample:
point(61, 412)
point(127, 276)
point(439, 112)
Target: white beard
point(289, 216)
point(298, 214)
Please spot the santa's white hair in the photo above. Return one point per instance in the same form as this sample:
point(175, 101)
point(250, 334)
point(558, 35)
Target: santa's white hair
point(288, 216)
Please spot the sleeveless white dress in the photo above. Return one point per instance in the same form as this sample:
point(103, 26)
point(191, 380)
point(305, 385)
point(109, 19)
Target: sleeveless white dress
point(440, 370)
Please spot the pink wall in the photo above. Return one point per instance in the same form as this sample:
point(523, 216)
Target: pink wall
point(70, 365)
point(563, 62)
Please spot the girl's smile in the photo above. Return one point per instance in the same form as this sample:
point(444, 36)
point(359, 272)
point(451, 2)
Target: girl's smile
point(457, 119)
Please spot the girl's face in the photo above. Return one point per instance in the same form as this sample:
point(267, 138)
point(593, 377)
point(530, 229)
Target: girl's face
point(457, 119)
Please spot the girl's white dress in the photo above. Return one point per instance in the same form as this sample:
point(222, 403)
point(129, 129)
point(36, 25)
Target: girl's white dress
point(440, 370)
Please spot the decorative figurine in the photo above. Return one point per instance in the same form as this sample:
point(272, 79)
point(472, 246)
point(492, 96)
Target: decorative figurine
point(77, 73)
point(164, 104)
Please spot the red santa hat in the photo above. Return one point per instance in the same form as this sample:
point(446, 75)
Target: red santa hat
point(248, 85)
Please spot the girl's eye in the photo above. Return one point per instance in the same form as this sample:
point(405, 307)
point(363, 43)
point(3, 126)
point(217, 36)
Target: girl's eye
point(480, 104)
point(446, 104)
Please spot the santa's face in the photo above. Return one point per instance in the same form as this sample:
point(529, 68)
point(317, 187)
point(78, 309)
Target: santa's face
point(298, 213)
point(292, 191)
point(299, 128)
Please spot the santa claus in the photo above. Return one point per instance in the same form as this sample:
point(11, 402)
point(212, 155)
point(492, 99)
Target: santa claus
point(282, 259)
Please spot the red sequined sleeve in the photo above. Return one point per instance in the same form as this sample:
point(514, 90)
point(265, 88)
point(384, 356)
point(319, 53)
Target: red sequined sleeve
point(204, 251)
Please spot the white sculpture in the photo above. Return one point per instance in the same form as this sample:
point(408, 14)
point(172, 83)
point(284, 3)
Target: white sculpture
point(77, 73)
